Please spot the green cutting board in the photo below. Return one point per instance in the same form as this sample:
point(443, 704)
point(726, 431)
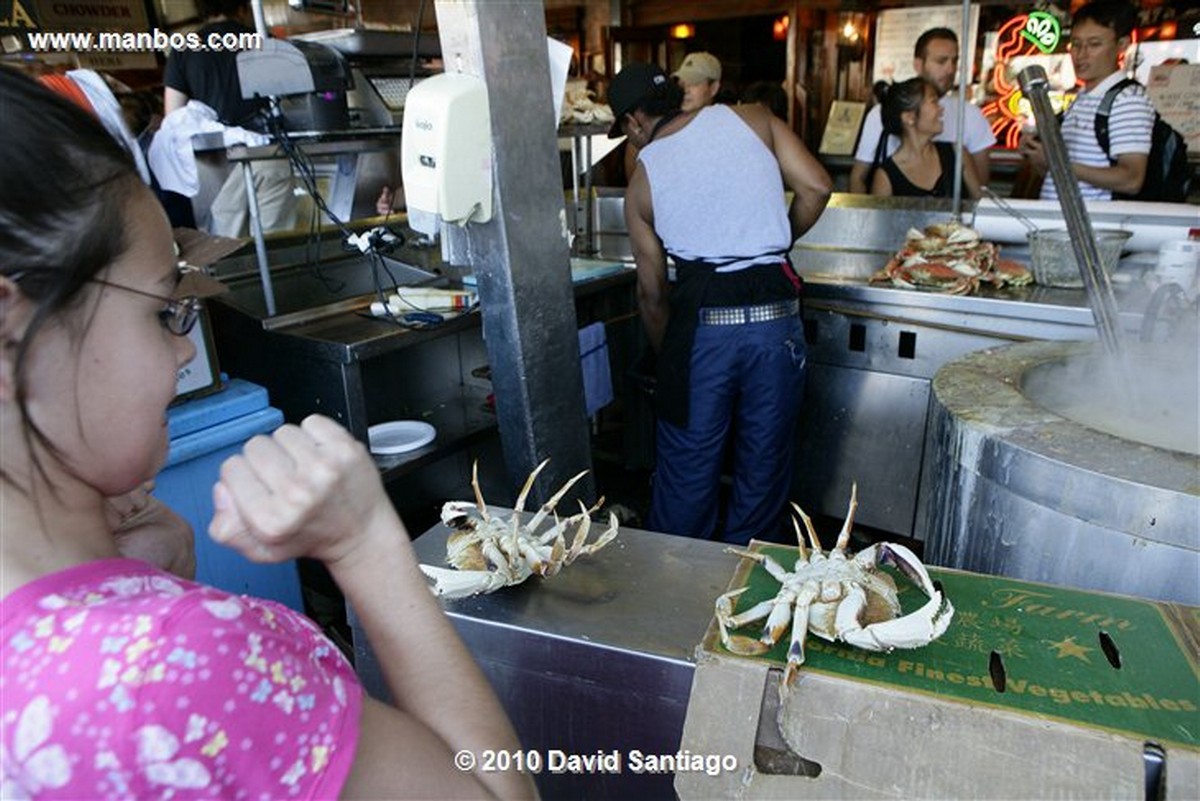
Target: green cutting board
point(1048, 639)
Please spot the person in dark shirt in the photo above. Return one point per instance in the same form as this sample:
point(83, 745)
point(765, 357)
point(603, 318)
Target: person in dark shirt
point(211, 77)
point(920, 167)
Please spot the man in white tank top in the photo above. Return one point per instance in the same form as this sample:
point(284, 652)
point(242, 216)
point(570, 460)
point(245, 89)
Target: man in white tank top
point(709, 190)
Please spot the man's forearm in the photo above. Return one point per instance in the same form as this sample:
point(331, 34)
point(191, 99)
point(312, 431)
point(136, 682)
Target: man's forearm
point(806, 208)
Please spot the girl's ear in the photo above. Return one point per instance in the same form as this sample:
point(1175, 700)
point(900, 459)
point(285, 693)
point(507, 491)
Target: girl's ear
point(13, 319)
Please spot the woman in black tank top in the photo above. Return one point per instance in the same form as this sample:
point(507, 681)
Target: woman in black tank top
point(920, 167)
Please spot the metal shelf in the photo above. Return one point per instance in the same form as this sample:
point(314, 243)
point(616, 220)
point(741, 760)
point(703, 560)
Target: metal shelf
point(461, 419)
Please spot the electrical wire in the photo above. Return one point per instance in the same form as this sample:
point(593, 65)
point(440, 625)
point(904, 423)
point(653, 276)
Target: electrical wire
point(412, 80)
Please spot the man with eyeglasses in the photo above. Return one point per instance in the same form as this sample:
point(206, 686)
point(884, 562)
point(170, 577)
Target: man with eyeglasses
point(1100, 33)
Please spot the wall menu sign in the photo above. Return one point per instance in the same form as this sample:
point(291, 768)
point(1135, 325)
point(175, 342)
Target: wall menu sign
point(18, 15)
point(897, 31)
point(1175, 91)
point(94, 16)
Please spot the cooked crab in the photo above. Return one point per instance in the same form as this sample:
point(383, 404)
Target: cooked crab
point(837, 597)
point(951, 258)
point(490, 552)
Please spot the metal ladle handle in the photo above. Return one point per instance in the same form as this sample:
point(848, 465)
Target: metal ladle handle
point(1035, 85)
point(1008, 208)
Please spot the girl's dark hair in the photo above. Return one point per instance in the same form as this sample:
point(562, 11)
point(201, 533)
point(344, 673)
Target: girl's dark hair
point(899, 98)
point(63, 183)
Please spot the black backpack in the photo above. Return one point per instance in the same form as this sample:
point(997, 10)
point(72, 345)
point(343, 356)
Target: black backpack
point(1168, 175)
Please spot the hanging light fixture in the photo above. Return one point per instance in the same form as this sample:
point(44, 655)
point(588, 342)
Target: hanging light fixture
point(779, 28)
point(684, 30)
point(848, 31)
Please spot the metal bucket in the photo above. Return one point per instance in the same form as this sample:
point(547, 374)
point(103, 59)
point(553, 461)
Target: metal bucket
point(1020, 490)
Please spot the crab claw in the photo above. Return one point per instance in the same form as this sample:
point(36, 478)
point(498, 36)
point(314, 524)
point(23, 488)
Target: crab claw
point(456, 515)
point(911, 631)
point(904, 560)
point(461, 583)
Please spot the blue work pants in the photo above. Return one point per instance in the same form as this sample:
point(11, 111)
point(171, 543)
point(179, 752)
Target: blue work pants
point(749, 377)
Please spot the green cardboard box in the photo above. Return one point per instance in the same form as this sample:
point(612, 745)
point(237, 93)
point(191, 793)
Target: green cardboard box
point(1034, 691)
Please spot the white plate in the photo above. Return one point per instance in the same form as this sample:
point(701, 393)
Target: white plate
point(399, 436)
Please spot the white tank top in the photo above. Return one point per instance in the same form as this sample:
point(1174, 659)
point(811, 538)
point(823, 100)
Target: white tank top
point(717, 192)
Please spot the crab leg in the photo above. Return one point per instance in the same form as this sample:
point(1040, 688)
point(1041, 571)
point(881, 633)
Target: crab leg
point(549, 505)
point(533, 558)
point(726, 620)
point(578, 548)
point(813, 541)
point(483, 512)
point(769, 564)
point(843, 539)
point(778, 619)
point(803, 555)
point(529, 485)
point(795, 654)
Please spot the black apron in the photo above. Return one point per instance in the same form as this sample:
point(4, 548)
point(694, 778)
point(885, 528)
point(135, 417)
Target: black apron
point(693, 278)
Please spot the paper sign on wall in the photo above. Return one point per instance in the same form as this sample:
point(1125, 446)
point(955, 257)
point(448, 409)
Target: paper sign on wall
point(897, 31)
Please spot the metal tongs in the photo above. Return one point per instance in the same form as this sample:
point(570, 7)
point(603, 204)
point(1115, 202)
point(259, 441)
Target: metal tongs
point(1007, 207)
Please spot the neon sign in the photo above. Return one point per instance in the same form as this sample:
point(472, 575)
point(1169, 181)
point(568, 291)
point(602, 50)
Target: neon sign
point(1024, 34)
point(1043, 30)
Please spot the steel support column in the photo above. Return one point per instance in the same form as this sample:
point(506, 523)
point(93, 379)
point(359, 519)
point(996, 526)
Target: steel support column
point(521, 258)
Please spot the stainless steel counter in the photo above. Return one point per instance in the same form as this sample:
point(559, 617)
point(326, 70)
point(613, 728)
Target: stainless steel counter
point(598, 658)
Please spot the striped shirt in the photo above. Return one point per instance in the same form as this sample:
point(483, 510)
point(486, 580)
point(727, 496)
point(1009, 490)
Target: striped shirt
point(1130, 122)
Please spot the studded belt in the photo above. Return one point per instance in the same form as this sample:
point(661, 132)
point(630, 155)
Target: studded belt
point(737, 315)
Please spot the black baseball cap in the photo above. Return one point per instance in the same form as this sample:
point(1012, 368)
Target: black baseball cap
point(632, 84)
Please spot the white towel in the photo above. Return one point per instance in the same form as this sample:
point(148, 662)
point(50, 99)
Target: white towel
point(597, 374)
point(171, 156)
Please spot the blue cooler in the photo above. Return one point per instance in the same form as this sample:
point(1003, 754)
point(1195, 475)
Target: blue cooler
point(204, 433)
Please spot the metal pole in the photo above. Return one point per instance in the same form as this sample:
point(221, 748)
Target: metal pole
point(521, 257)
point(260, 244)
point(256, 230)
point(964, 69)
point(260, 20)
point(1035, 85)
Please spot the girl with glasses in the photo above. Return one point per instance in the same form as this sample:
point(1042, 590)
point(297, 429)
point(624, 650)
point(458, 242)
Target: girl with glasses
point(120, 679)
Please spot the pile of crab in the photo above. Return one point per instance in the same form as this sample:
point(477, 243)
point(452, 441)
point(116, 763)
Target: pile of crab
point(950, 258)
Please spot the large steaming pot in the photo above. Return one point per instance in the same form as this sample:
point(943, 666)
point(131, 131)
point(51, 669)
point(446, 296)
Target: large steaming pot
point(1018, 490)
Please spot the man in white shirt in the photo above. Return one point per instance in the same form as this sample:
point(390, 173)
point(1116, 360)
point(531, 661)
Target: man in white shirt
point(935, 58)
point(1100, 33)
